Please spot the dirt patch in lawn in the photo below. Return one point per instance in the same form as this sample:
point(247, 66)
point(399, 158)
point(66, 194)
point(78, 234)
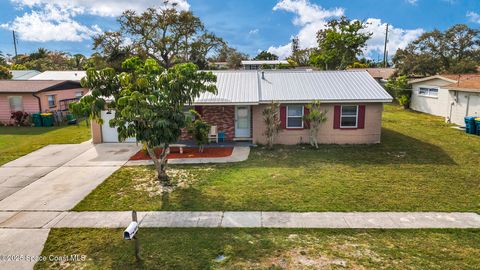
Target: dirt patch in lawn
point(147, 182)
point(188, 152)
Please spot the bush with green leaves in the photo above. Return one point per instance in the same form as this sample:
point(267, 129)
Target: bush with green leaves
point(271, 118)
point(199, 130)
point(400, 89)
point(314, 118)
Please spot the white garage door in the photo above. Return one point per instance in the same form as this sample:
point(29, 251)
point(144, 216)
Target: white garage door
point(110, 135)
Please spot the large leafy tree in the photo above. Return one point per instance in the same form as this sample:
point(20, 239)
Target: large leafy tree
point(264, 55)
point(339, 44)
point(164, 34)
point(230, 55)
point(148, 101)
point(455, 50)
point(5, 74)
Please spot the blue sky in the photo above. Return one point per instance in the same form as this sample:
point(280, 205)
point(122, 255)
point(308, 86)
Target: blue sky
point(248, 25)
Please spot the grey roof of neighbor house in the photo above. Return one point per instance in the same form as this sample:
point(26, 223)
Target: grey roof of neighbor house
point(24, 74)
point(70, 75)
point(287, 86)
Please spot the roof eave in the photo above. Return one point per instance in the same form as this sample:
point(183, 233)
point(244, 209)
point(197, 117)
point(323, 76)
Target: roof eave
point(432, 78)
point(330, 101)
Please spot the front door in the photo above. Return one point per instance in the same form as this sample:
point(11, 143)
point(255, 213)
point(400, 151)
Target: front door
point(242, 122)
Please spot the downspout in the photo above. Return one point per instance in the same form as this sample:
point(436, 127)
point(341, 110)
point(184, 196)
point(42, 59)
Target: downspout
point(39, 101)
point(468, 105)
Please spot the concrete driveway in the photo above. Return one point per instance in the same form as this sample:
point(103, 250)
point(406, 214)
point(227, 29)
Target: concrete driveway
point(52, 179)
point(57, 177)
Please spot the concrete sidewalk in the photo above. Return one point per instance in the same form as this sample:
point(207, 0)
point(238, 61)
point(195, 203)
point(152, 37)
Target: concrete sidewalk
point(356, 220)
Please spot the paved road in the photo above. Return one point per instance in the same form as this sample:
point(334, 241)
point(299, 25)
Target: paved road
point(36, 188)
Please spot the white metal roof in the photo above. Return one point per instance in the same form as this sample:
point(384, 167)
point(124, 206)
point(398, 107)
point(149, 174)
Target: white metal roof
point(326, 86)
point(23, 74)
point(264, 62)
point(238, 87)
point(287, 86)
point(73, 75)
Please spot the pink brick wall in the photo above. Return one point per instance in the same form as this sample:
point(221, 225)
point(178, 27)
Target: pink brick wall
point(327, 135)
point(30, 105)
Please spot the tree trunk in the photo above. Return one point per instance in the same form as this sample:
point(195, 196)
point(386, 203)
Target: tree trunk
point(160, 164)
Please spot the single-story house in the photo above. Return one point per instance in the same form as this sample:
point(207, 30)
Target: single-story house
point(68, 75)
point(353, 101)
point(450, 96)
point(36, 96)
point(23, 74)
point(380, 74)
point(258, 64)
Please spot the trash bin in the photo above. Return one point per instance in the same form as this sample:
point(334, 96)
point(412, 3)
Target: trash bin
point(470, 127)
point(477, 124)
point(47, 119)
point(37, 119)
point(221, 136)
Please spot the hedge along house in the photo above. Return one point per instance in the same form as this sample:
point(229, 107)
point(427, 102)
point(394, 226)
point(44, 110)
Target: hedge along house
point(36, 96)
point(450, 96)
point(353, 101)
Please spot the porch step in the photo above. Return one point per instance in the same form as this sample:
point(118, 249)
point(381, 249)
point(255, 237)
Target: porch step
point(242, 139)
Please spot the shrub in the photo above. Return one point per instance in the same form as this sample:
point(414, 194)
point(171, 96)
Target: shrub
point(272, 122)
point(20, 118)
point(199, 130)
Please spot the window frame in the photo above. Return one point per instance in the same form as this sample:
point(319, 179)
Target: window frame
point(10, 103)
point(428, 91)
point(301, 117)
point(54, 101)
point(350, 116)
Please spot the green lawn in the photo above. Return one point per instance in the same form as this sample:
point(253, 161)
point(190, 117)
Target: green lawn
point(19, 141)
point(421, 165)
point(266, 249)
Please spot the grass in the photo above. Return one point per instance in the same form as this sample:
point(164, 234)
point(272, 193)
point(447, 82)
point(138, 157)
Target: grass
point(421, 165)
point(266, 249)
point(19, 141)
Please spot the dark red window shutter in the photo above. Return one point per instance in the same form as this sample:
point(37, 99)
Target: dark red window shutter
point(336, 116)
point(283, 117)
point(199, 110)
point(306, 111)
point(361, 117)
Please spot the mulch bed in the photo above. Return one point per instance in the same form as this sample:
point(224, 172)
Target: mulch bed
point(188, 152)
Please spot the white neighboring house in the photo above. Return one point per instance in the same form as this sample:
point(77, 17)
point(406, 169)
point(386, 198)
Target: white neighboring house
point(449, 96)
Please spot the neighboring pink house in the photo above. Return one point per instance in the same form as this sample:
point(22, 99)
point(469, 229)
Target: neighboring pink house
point(353, 101)
point(33, 96)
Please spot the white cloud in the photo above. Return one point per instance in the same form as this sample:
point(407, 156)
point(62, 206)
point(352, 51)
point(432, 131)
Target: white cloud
point(473, 17)
point(254, 31)
point(54, 20)
point(397, 38)
point(103, 7)
point(51, 23)
point(312, 18)
point(412, 2)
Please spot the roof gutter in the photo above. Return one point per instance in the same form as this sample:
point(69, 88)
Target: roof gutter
point(330, 101)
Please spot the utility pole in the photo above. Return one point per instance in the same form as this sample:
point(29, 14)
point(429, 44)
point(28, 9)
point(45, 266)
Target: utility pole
point(385, 57)
point(15, 44)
